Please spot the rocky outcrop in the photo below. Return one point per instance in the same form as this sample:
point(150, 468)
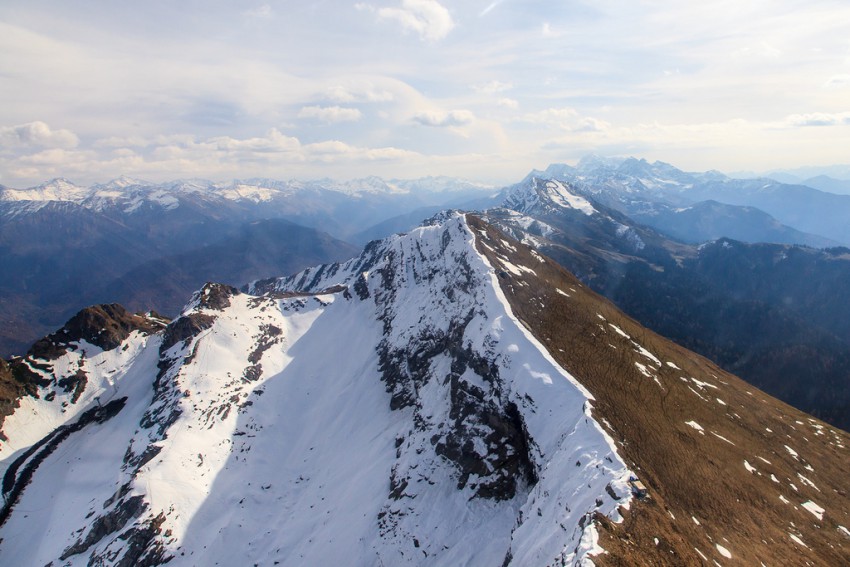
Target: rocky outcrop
point(105, 326)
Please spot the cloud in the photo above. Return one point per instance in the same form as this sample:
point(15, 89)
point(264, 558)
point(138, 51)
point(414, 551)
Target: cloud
point(837, 82)
point(175, 156)
point(36, 134)
point(366, 93)
point(590, 124)
point(430, 19)
point(490, 7)
point(761, 50)
point(547, 31)
point(330, 114)
point(263, 12)
point(439, 119)
point(508, 103)
point(272, 142)
point(54, 156)
point(818, 119)
point(121, 142)
point(492, 87)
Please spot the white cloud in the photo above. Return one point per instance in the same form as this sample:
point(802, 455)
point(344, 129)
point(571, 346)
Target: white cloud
point(36, 134)
point(363, 93)
point(440, 119)
point(430, 19)
point(121, 142)
point(763, 50)
point(590, 124)
point(330, 114)
point(837, 82)
point(508, 103)
point(548, 31)
point(260, 12)
point(490, 7)
point(492, 87)
point(54, 156)
point(818, 119)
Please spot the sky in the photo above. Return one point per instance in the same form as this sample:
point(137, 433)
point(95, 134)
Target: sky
point(481, 89)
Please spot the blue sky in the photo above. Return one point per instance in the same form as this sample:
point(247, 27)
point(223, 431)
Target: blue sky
point(405, 88)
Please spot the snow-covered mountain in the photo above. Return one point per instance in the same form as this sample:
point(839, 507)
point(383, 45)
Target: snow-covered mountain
point(129, 193)
point(670, 200)
point(114, 241)
point(391, 410)
point(447, 397)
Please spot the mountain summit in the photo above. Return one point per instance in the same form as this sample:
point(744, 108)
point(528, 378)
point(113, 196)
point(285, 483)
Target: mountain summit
point(447, 397)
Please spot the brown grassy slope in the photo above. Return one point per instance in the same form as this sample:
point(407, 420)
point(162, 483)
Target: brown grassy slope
point(694, 475)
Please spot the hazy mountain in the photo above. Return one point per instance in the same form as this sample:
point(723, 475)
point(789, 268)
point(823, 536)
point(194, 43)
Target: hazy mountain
point(149, 244)
point(637, 187)
point(340, 208)
point(710, 220)
point(253, 250)
point(799, 174)
point(481, 407)
point(828, 184)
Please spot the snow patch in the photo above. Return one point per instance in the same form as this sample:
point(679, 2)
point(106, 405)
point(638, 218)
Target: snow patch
point(816, 510)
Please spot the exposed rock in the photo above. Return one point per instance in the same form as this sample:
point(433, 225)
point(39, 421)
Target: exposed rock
point(185, 328)
point(215, 296)
point(105, 326)
point(76, 384)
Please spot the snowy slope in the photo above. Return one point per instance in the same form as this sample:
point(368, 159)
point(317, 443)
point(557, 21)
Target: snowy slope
point(126, 189)
point(390, 410)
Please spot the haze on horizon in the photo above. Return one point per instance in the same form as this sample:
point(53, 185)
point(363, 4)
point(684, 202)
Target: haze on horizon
point(484, 89)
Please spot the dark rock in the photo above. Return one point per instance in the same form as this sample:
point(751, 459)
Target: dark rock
point(107, 524)
point(105, 326)
point(216, 296)
point(185, 328)
point(76, 383)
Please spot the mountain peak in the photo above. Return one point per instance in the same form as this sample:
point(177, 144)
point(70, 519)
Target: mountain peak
point(58, 189)
point(593, 162)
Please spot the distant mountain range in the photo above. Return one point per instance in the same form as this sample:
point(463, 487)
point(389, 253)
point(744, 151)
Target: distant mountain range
point(148, 245)
point(654, 190)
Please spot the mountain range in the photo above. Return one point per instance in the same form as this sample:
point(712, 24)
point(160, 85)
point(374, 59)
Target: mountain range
point(637, 187)
point(773, 314)
point(149, 246)
point(448, 396)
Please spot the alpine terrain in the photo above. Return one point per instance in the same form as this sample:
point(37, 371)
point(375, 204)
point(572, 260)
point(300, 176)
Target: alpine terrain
point(150, 245)
point(774, 314)
point(448, 397)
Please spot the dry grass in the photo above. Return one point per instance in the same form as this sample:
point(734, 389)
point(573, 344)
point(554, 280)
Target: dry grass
point(691, 473)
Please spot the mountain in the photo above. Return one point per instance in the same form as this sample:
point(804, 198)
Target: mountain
point(635, 187)
point(480, 407)
point(400, 223)
point(709, 220)
point(769, 313)
point(253, 250)
point(148, 245)
point(797, 175)
point(828, 184)
point(340, 208)
point(60, 256)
